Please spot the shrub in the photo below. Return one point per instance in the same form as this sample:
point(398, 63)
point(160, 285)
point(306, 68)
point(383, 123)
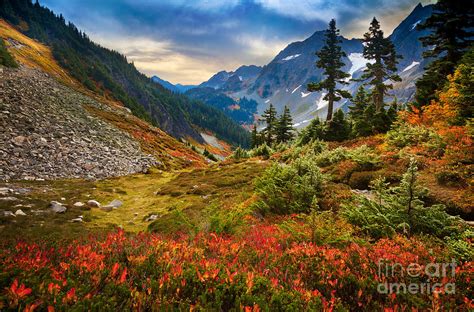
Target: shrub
point(209, 155)
point(400, 209)
point(449, 178)
point(262, 150)
point(361, 179)
point(290, 188)
point(461, 245)
point(5, 57)
point(240, 153)
point(329, 157)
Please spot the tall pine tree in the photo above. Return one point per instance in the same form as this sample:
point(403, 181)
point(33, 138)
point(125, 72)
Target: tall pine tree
point(452, 25)
point(382, 51)
point(330, 60)
point(284, 129)
point(270, 116)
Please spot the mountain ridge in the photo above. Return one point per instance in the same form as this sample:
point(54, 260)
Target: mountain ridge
point(282, 81)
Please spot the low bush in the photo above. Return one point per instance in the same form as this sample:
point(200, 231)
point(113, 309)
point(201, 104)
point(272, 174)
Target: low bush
point(361, 180)
point(290, 188)
point(263, 151)
point(400, 209)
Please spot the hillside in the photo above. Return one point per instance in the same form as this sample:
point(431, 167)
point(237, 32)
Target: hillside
point(107, 72)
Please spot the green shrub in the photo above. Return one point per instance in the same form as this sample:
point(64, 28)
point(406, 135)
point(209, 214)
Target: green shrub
point(240, 153)
point(461, 245)
point(400, 209)
point(5, 57)
point(262, 150)
point(330, 157)
point(209, 155)
point(290, 188)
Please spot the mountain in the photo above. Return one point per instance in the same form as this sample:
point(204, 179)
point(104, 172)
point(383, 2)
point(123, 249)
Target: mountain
point(283, 81)
point(235, 80)
point(107, 72)
point(177, 88)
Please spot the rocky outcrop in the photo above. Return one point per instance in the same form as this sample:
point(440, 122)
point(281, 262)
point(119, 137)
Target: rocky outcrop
point(46, 133)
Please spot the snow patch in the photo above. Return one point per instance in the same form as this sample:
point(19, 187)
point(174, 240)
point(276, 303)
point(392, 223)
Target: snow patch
point(290, 57)
point(321, 102)
point(415, 24)
point(413, 64)
point(300, 123)
point(305, 94)
point(295, 89)
point(357, 62)
point(267, 101)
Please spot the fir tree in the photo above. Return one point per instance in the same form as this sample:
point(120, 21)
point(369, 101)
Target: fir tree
point(382, 51)
point(330, 60)
point(270, 116)
point(452, 24)
point(360, 123)
point(255, 137)
point(338, 129)
point(284, 129)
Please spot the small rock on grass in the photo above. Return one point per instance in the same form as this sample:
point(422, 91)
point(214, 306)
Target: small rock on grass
point(78, 204)
point(57, 207)
point(8, 213)
point(93, 203)
point(20, 212)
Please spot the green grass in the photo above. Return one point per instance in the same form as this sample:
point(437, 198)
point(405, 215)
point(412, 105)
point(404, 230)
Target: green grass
point(182, 199)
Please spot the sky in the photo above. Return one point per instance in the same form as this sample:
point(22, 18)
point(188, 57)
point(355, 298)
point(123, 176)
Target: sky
point(188, 41)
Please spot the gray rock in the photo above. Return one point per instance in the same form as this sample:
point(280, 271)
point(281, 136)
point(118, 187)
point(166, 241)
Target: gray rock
point(78, 204)
point(20, 212)
point(9, 198)
point(5, 190)
point(116, 203)
point(57, 207)
point(93, 203)
point(77, 220)
point(8, 213)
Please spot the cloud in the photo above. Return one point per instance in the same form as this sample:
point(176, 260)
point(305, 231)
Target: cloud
point(188, 41)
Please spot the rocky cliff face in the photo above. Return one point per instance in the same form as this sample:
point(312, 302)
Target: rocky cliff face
point(47, 132)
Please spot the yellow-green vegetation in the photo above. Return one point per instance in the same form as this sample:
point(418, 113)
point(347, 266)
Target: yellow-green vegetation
point(183, 200)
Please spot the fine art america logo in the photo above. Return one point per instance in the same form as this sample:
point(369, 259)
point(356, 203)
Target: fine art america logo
point(415, 279)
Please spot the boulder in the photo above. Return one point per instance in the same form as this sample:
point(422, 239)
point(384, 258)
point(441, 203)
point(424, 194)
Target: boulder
point(20, 212)
point(57, 207)
point(77, 220)
point(8, 213)
point(78, 204)
point(93, 203)
point(115, 203)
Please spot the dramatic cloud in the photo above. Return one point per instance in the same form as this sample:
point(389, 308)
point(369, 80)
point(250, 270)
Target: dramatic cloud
point(188, 41)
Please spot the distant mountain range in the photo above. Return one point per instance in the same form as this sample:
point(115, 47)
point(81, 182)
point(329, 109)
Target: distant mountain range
point(283, 81)
point(177, 88)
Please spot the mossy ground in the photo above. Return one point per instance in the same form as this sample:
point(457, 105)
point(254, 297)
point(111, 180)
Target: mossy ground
point(174, 196)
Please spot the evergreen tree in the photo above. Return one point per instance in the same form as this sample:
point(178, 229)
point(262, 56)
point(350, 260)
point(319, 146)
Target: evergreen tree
point(284, 130)
point(382, 51)
point(270, 116)
point(452, 25)
point(360, 123)
point(255, 137)
point(338, 128)
point(330, 60)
